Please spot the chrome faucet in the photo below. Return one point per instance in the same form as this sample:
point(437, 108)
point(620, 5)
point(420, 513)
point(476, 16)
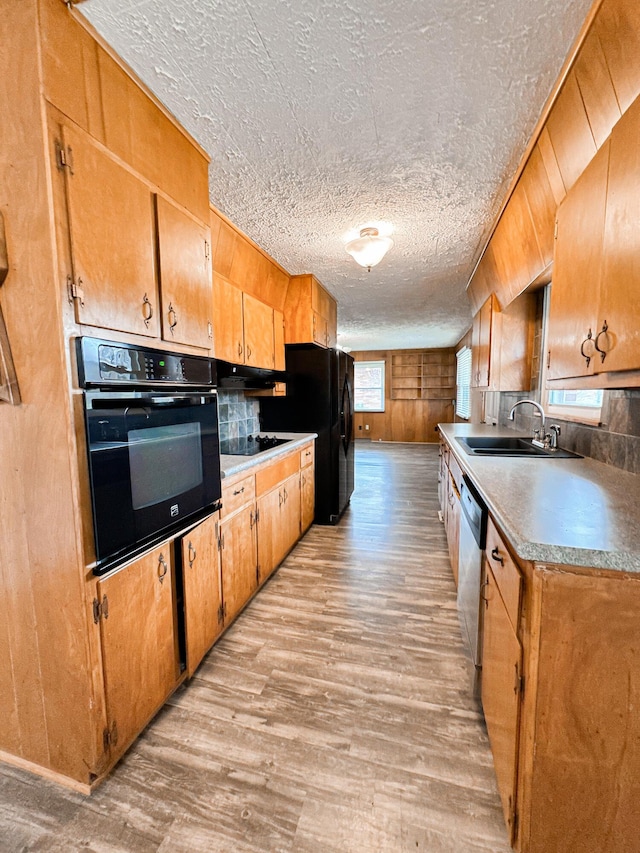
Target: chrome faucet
point(538, 435)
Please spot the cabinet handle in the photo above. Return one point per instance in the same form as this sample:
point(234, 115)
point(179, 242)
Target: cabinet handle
point(191, 550)
point(171, 312)
point(280, 501)
point(239, 348)
point(147, 310)
point(603, 331)
point(285, 495)
point(252, 520)
point(248, 351)
point(162, 567)
point(582, 352)
point(239, 491)
point(495, 555)
point(482, 595)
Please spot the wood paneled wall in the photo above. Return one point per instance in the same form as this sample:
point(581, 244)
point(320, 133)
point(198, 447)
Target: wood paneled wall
point(601, 81)
point(404, 420)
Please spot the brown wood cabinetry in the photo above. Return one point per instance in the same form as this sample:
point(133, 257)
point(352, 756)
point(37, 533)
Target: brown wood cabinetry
point(449, 482)
point(502, 345)
point(560, 662)
point(279, 514)
point(239, 560)
point(139, 645)
point(184, 260)
point(111, 232)
point(594, 320)
point(310, 313)
point(502, 672)
point(423, 375)
point(244, 327)
point(202, 588)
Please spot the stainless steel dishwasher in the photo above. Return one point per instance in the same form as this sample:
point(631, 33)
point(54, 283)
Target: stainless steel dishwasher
point(473, 534)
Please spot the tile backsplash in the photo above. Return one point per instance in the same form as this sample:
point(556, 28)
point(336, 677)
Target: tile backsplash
point(237, 415)
point(615, 441)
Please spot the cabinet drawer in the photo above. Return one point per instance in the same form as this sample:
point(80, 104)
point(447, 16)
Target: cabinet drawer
point(236, 492)
point(505, 571)
point(456, 471)
point(307, 455)
point(276, 472)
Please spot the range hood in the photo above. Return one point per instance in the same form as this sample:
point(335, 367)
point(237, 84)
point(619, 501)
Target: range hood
point(242, 376)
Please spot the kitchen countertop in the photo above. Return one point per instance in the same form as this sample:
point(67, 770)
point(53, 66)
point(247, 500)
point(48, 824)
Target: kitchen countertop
point(230, 465)
point(576, 512)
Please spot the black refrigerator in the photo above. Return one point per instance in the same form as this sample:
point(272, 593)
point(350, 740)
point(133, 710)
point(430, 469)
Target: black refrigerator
point(319, 399)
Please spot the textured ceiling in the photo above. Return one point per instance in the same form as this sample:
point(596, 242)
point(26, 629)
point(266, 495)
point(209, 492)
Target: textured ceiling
point(323, 116)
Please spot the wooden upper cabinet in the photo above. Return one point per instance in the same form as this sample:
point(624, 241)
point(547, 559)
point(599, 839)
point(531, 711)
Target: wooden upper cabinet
point(228, 324)
point(515, 247)
point(112, 238)
point(184, 248)
point(575, 291)
point(139, 648)
point(258, 332)
point(310, 312)
point(502, 345)
point(542, 204)
point(278, 340)
point(619, 304)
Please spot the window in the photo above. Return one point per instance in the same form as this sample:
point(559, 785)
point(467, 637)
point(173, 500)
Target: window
point(369, 386)
point(463, 383)
point(584, 406)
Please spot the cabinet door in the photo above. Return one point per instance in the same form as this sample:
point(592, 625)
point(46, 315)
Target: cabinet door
point(270, 532)
point(320, 331)
point(481, 345)
point(112, 240)
point(185, 277)
point(619, 314)
point(501, 680)
point(575, 290)
point(292, 514)
point(307, 497)
point(453, 525)
point(228, 323)
point(239, 559)
point(202, 590)
point(258, 332)
point(138, 643)
point(278, 340)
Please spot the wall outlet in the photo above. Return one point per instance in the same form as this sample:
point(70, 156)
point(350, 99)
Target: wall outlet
point(360, 426)
point(366, 426)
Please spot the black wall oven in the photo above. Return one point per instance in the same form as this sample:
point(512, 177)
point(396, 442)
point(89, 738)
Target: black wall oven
point(152, 439)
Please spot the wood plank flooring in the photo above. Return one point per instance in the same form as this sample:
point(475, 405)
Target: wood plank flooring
point(334, 715)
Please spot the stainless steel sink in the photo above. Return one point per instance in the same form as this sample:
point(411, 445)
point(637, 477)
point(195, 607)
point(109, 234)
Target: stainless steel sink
point(510, 446)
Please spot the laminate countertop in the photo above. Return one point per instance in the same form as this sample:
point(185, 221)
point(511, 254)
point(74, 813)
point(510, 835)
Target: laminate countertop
point(230, 465)
point(576, 512)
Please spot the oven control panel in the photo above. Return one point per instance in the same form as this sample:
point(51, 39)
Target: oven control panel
point(102, 363)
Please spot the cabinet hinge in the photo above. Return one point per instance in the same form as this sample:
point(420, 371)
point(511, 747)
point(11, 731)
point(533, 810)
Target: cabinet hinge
point(220, 614)
point(514, 826)
point(518, 685)
point(100, 609)
point(548, 359)
point(75, 290)
point(210, 330)
point(555, 231)
point(110, 736)
point(207, 250)
point(64, 157)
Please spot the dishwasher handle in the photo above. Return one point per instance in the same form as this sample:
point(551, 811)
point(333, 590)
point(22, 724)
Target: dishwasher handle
point(475, 511)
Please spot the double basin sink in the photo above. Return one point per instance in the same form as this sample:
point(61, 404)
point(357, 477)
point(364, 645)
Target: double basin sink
point(511, 446)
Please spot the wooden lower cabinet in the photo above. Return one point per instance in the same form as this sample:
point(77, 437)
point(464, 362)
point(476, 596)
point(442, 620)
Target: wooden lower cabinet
point(202, 588)
point(307, 498)
point(452, 524)
point(139, 644)
point(279, 524)
point(239, 560)
point(501, 680)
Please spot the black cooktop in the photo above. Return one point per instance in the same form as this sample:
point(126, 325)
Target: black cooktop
point(250, 445)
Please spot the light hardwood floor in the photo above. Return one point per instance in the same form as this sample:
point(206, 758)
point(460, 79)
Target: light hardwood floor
point(334, 715)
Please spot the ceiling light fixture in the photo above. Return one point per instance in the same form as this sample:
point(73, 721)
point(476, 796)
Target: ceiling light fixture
point(369, 248)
